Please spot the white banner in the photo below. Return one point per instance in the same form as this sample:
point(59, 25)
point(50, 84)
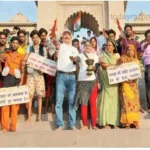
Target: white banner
point(124, 72)
point(43, 64)
point(14, 95)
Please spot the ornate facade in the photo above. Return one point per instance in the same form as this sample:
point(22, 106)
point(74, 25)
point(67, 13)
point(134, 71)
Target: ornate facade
point(21, 21)
point(98, 15)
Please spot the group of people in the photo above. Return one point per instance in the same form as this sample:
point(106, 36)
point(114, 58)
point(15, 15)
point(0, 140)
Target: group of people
point(111, 106)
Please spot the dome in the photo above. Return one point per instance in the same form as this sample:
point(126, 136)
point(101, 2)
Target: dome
point(19, 18)
point(142, 17)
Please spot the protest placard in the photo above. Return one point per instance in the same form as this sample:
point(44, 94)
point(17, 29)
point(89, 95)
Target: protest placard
point(43, 64)
point(14, 95)
point(124, 72)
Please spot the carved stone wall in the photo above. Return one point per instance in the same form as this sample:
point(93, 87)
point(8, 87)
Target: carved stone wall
point(102, 11)
point(66, 10)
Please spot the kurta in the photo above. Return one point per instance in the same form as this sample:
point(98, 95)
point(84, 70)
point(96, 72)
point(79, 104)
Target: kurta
point(108, 102)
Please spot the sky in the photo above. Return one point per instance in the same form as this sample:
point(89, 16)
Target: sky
point(29, 10)
point(11, 8)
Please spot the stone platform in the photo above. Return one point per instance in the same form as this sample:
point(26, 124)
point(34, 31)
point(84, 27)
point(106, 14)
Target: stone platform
point(42, 134)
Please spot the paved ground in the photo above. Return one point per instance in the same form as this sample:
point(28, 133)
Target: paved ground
point(42, 134)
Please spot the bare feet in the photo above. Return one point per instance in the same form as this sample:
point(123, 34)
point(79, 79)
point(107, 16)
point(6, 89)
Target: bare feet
point(142, 110)
point(73, 128)
point(137, 126)
point(107, 127)
point(128, 127)
point(59, 129)
point(115, 127)
point(28, 120)
point(12, 130)
point(84, 128)
point(39, 120)
point(4, 130)
point(94, 128)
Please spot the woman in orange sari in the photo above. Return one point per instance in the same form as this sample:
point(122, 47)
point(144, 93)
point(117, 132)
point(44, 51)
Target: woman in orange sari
point(130, 105)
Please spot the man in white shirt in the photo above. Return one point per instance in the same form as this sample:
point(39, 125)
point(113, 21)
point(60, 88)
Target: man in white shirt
point(66, 81)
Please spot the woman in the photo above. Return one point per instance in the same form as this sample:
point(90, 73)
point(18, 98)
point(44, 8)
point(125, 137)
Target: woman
point(94, 45)
point(86, 86)
point(108, 103)
point(130, 105)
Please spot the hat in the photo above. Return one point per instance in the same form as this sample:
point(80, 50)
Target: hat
point(66, 31)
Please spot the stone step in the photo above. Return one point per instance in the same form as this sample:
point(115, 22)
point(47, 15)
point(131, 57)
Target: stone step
point(40, 135)
point(49, 122)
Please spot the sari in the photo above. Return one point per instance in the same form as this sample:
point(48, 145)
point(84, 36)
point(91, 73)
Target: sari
point(130, 105)
point(108, 103)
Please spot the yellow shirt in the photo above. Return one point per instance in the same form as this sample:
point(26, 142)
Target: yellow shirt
point(22, 50)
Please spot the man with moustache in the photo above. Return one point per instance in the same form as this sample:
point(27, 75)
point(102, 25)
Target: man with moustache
point(3, 48)
point(66, 81)
point(22, 42)
point(128, 40)
point(3, 42)
point(145, 49)
point(12, 77)
point(49, 80)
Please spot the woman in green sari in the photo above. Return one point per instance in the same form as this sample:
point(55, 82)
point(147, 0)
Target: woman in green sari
point(108, 102)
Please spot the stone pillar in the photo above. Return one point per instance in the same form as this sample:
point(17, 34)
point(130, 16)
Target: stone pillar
point(46, 14)
point(115, 10)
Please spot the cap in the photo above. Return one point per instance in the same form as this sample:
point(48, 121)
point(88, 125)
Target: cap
point(66, 31)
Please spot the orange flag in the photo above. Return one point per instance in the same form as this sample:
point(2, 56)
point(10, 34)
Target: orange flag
point(54, 28)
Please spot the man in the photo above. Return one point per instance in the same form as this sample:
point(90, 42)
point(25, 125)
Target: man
point(101, 40)
point(15, 30)
point(145, 48)
point(75, 43)
point(22, 42)
point(66, 81)
point(35, 78)
point(89, 36)
point(49, 80)
point(7, 31)
point(13, 77)
point(79, 38)
point(128, 40)
point(112, 37)
point(3, 42)
point(3, 48)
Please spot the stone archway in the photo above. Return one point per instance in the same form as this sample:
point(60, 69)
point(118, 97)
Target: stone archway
point(87, 21)
point(93, 10)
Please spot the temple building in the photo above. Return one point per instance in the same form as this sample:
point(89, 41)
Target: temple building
point(140, 24)
point(21, 21)
point(96, 16)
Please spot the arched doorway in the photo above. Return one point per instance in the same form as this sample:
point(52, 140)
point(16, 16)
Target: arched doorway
point(87, 21)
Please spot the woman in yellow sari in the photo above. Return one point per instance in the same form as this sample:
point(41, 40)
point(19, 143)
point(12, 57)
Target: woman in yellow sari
point(130, 105)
